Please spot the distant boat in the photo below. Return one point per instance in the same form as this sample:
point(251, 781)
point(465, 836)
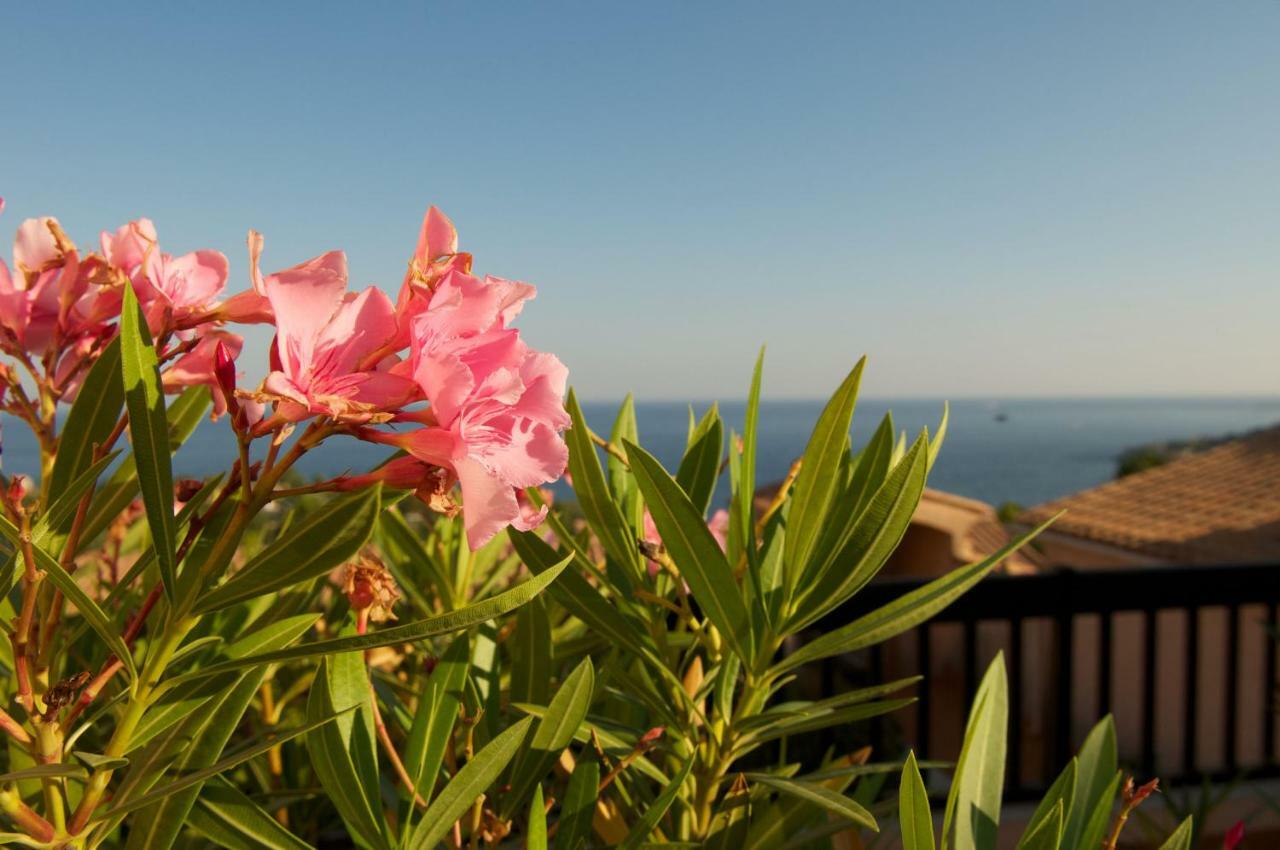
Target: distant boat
point(1002, 417)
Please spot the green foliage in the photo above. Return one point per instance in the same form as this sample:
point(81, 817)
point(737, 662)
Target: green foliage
point(587, 684)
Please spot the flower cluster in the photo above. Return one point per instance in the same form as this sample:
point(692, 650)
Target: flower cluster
point(439, 373)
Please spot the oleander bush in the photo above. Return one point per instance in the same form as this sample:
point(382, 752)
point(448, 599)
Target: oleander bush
point(428, 652)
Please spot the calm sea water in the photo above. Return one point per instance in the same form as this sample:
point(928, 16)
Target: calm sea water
point(1026, 450)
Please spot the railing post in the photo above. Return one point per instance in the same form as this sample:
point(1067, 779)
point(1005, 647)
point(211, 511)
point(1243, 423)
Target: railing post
point(1065, 668)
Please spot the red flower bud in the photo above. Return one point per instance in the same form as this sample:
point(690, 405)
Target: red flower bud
point(225, 370)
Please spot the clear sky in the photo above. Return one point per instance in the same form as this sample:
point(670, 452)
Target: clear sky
point(988, 199)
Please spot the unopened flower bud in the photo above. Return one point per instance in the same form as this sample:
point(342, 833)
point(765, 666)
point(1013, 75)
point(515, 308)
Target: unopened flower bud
point(19, 487)
point(185, 489)
point(225, 368)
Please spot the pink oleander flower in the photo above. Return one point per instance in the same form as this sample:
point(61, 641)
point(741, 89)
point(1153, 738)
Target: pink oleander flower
point(251, 307)
point(496, 405)
point(435, 255)
point(330, 355)
point(503, 438)
point(174, 292)
point(46, 297)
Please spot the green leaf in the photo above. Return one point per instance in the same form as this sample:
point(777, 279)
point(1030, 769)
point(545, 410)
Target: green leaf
point(973, 805)
point(1181, 838)
point(914, 817)
point(554, 732)
point(1047, 834)
point(454, 621)
point(819, 795)
point(647, 821)
point(935, 445)
point(98, 761)
point(530, 648)
point(593, 494)
point(432, 727)
point(1098, 763)
point(232, 821)
point(262, 745)
point(149, 430)
point(537, 836)
point(700, 467)
point(814, 722)
point(695, 551)
point(326, 538)
point(579, 804)
point(190, 698)
point(729, 826)
point(91, 420)
point(742, 507)
point(1100, 815)
point(905, 612)
point(43, 771)
point(342, 753)
point(197, 743)
point(623, 483)
point(866, 547)
point(1058, 797)
point(613, 742)
point(576, 594)
point(819, 479)
point(71, 589)
point(468, 784)
point(55, 522)
point(184, 415)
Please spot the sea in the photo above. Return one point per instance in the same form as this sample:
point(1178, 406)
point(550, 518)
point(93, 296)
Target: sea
point(1025, 451)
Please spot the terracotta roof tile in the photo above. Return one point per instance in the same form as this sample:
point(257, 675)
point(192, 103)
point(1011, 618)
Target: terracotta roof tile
point(1217, 506)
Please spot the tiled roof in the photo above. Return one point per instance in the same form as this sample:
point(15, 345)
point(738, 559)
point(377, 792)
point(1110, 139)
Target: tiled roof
point(1217, 506)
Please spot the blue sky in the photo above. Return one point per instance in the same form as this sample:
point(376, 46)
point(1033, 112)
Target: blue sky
point(988, 199)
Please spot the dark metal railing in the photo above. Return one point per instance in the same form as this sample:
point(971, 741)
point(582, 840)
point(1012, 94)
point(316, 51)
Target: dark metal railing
point(1077, 614)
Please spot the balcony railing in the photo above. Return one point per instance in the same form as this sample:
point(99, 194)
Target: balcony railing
point(1184, 657)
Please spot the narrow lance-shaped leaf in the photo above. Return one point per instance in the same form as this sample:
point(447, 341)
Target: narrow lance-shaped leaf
point(700, 467)
point(454, 621)
point(468, 784)
point(554, 732)
point(149, 430)
point(742, 519)
point(871, 539)
point(71, 589)
point(973, 806)
point(1098, 763)
point(625, 428)
point(594, 497)
point(266, 742)
point(1059, 795)
point(914, 817)
point(906, 612)
point(579, 804)
point(231, 820)
point(695, 551)
point(1047, 834)
point(819, 481)
point(649, 819)
point(819, 795)
point(325, 538)
point(1181, 838)
point(537, 837)
point(432, 727)
point(91, 420)
point(341, 753)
